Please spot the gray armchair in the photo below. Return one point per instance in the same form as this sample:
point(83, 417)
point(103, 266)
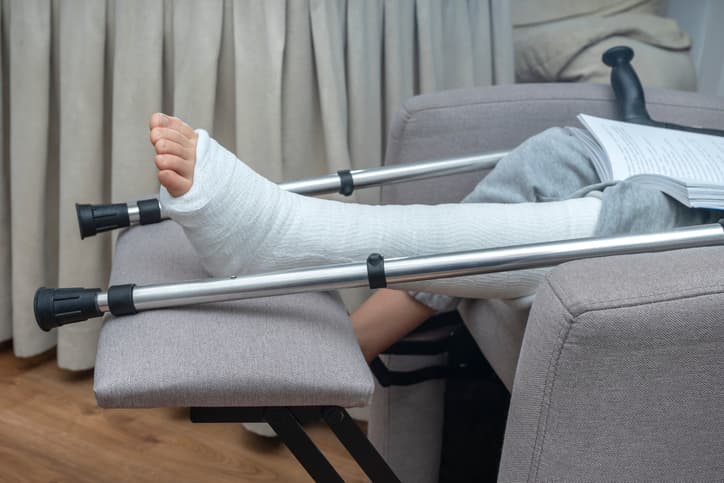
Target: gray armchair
point(615, 376)
point(617, 373)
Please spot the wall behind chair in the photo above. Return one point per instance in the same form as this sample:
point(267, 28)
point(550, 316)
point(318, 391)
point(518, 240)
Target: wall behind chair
point(296, 88)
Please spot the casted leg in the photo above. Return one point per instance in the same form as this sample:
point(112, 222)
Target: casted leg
point(240, 222)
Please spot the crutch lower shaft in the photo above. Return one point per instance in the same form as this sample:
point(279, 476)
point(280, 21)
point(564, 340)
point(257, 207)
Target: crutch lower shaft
point(55, 307)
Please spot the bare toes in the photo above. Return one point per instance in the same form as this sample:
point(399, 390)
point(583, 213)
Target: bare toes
point(175, 145)
point(158, 133)
point(160, 119)
point(174, 183)
point(182, 127)
point(182, 166)
point(167, 146)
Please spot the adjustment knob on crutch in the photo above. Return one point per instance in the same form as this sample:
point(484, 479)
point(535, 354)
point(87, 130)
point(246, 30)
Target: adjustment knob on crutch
point(94, 219)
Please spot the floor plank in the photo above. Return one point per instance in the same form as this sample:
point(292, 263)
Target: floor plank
point(52, 430)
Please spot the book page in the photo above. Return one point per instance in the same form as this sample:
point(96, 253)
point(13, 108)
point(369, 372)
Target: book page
point(635, 149)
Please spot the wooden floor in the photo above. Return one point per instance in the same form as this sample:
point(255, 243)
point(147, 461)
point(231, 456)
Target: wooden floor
point(52, 430)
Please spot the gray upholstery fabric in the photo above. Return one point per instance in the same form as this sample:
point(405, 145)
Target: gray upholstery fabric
point(287, 350)
point(463, 122)
point(620, 373)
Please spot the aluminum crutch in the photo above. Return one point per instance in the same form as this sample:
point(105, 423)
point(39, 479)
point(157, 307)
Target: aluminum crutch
point(59, 306)
point(93, 219)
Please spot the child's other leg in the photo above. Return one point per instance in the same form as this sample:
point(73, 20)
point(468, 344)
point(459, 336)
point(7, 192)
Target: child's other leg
point(386, 317)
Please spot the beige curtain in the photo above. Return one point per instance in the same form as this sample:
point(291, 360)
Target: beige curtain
point(297, 88)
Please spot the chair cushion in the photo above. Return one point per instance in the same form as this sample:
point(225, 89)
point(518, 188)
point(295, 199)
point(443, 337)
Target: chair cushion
point(286, 350)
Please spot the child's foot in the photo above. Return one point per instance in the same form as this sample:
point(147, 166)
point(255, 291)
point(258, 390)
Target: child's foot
point(175, 145)
point(224, 207)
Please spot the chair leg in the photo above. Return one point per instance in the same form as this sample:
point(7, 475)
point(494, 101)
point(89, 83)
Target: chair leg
point(358, 445)
point(286, 422)
point(292, 433)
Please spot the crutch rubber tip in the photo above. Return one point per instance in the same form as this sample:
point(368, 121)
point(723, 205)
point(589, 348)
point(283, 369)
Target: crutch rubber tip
point(60, 306)
point(94, 219)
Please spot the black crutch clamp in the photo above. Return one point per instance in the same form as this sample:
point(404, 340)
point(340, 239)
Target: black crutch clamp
point(346, 182)
point(376, 271)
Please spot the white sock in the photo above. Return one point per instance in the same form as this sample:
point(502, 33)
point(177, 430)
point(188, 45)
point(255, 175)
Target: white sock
point(241, 223)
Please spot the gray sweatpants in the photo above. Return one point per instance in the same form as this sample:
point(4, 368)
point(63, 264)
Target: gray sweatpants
point(553, 166)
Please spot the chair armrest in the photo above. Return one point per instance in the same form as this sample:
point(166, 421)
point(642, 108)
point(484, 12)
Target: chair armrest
point(620, 372)
point(485, 119)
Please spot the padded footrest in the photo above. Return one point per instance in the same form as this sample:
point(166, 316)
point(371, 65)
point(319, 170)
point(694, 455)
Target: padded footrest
point(292, 350)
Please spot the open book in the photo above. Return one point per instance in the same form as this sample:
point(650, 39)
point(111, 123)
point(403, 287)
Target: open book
point(689, 167)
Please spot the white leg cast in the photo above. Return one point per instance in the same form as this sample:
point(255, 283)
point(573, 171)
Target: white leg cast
point(239, 222)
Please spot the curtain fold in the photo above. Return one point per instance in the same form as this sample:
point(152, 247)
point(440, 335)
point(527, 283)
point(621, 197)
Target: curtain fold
point(302, 139)
point(259, 39)
point(31, 244)
point(297, 88)
point(81, 105)
point(364, 82)
point(136, 93)
point(197, 28)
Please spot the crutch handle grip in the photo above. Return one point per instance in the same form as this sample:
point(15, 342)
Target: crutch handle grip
point(94, 219)
point(59, 306)
point(626, 85)
point(630, 94)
